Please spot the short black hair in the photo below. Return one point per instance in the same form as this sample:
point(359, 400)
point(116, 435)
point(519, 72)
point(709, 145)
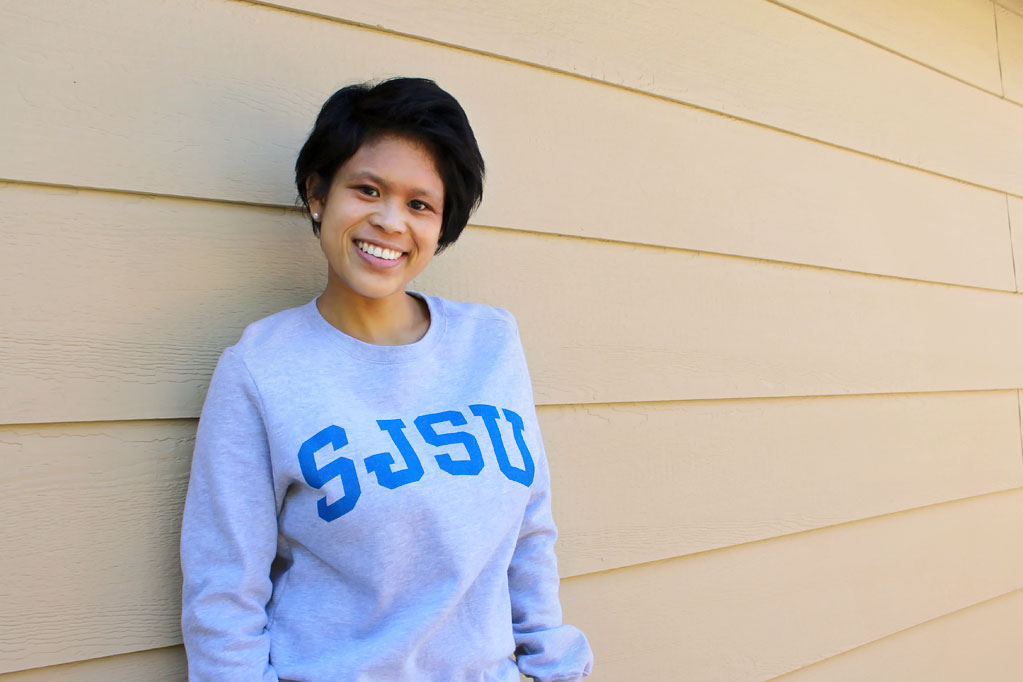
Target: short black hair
point(416, 108)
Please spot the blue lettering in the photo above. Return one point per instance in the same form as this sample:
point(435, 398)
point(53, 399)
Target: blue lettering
point(489, 415)
point(342, 468)
point(524, 475)
point(460, 467)
point(381, 463)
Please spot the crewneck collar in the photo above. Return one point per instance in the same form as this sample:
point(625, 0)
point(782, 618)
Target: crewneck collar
point(371, 352)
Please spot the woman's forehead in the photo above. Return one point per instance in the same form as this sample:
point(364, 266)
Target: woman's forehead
point(396, 160)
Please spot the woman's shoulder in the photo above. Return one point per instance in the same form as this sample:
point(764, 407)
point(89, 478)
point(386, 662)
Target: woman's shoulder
point(275, 333)
point(490, 331)
point(478, 312)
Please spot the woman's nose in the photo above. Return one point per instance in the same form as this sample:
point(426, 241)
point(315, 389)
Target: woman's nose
point(388, 217)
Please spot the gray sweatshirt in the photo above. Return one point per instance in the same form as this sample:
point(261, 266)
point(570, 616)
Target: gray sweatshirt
point(362, 513)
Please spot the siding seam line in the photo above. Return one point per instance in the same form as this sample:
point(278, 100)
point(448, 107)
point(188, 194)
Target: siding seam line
point(637, 91)
point(1012, 248)
point(1008, 8)
point(891, 50)
point(1015, 490)
point(93, 659)
point(750, 399)
point(1019, 411)
point(739, 256)
point(48, 184)
point(898, 632)
point(76, 423)
point(998, 49)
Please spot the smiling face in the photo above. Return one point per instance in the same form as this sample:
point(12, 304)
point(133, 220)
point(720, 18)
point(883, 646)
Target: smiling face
point(380, 220)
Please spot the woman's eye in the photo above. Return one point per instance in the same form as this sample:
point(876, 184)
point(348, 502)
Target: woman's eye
point(418, 205)
point(368, 191)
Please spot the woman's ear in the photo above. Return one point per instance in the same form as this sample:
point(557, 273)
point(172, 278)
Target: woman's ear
point(315, 193)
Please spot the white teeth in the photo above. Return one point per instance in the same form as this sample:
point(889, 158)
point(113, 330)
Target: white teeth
point(386, 254)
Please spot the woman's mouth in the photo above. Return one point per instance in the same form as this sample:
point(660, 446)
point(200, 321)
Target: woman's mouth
point(378, 251)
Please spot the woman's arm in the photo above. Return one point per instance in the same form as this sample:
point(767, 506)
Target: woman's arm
point(229, 534)
point(545, 649)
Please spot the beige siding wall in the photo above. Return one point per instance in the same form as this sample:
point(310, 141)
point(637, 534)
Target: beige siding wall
point(763, 255)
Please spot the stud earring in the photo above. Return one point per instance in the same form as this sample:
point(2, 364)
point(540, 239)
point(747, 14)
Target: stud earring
point(316, 217)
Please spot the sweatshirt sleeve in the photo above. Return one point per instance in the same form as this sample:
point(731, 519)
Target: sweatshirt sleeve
point(546, 650)
point(229, 534)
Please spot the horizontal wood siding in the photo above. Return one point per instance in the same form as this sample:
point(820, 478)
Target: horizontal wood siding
point(763, 255)
point(137, 329)
point(756, 611)
point(1014, 205)
point(98, 515)
point(956, 37)
point(712, 474)
point(719, 185)
point(154, 665)
point(977, 643)
point(1010, 46)
point(751, 59)
point(151, 291)
point(81, 575)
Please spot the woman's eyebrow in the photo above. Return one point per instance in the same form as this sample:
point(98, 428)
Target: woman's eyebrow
point(372, 177)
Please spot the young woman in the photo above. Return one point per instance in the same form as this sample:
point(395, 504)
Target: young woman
point(369, 498)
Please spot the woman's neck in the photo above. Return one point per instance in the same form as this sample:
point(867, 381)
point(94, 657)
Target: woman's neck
point(393, 321)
